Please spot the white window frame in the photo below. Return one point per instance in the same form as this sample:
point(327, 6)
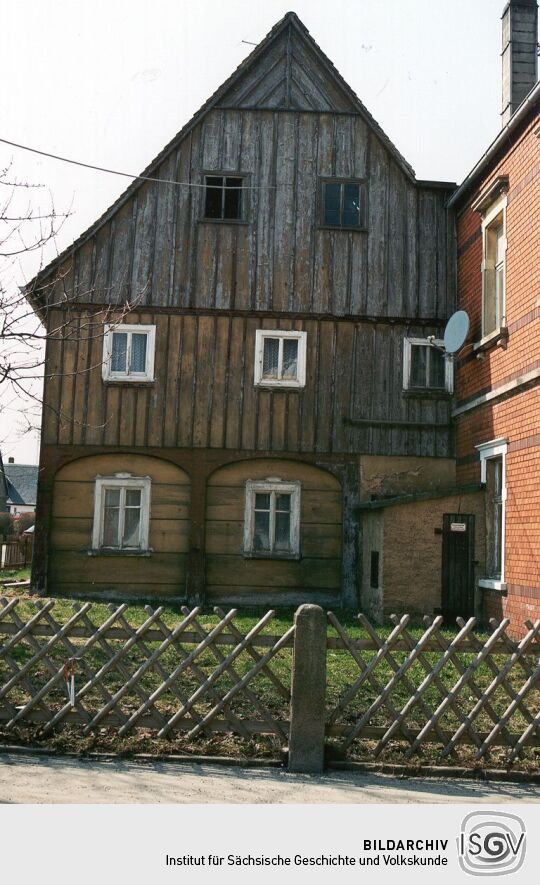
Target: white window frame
point(495, 448)
point(301, 337)
point(280, 487)
point(134, 328)
point(121, 481)
point(495, 209)
point(408, 344)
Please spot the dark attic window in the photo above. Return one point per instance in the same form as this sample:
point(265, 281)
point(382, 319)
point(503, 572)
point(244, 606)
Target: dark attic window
point(343, 204)
point(223, 197)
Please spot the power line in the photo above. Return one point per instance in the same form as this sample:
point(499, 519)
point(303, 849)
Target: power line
point(32, 150)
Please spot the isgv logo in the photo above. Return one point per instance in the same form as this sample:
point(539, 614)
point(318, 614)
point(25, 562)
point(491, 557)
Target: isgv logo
point(491, 844)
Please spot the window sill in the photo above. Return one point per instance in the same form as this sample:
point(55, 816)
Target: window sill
point(427, 392)
point(492, 584)
point(354, 230)
point(105, 551)
point(223, 221)
point(274, 556)
point(494, 339)
point(121, 382)
point(278, 385)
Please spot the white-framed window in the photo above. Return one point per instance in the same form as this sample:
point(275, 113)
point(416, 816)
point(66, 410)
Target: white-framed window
point(280, 358)
point(272, 518)
point(494, 268)
point(121, 513)
point(426, 367)
point(493, 475)
point(128, 352)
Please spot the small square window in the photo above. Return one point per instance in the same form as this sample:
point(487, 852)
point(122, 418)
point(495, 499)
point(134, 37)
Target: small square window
point(128, 353)
point(280, 358)
point(425, 366)
point(121, 513)
point(223, 197)
point(272, 519)
point(343, 204)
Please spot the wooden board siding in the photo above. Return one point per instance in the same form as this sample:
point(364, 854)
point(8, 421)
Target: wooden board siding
point(73, 572)
point(158, 251)
point(204, 395)
point(230, 575)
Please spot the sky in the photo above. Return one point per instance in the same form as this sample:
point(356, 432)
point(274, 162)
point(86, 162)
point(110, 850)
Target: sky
point(110, 82)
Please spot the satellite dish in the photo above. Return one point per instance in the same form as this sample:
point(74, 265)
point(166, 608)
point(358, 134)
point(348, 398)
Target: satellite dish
point(457, 329)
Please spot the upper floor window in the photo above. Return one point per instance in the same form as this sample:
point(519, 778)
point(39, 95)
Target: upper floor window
point(121, 513)
point(425, 367)
point(280, 358)
point(223, 197)
point(492, 204)
point(343, 203)
point(272, 518)
point(128, 352)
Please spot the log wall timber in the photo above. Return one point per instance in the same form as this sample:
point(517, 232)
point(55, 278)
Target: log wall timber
point(73, 572)
point(204, 396)
point(157, 250)
point(230, 577)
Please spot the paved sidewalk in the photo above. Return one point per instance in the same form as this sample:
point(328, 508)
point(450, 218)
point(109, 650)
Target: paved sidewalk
point(46, 779)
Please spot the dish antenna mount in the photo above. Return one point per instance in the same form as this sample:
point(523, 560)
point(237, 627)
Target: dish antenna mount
point(455, 333)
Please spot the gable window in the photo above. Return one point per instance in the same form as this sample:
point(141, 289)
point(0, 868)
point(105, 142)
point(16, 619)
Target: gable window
point(223, 197)
point(492, 473)
point(280, 358)
point(121, 513)
point(272, 519)
point(425, 367)
point(128, 352)
point(343, 203)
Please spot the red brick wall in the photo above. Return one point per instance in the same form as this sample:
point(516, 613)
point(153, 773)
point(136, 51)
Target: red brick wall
point(518, 417)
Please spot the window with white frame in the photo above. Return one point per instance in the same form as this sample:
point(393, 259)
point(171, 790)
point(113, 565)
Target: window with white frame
point(272, 518)
point(121, 513)
point(128, 352)
point(494, 268)
point(492, 473)
point(280, 358)
point(426, 367)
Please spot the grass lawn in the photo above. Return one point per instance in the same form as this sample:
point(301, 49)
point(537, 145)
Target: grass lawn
point(342, 670)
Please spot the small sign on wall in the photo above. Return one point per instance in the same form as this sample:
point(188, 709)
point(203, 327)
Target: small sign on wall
point(458, 526)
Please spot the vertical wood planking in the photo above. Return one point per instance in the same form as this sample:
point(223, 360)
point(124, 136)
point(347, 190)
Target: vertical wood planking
point(217, 416)
point(204, 378)
point(173, 378)
point(186, 389)
point(235, 386)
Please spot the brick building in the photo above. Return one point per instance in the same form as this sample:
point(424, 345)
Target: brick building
point(497, 408)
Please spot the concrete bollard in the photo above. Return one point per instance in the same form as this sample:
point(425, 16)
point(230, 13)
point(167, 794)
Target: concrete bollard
point(308, 691)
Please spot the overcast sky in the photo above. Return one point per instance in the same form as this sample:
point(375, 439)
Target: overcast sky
point(110, 82)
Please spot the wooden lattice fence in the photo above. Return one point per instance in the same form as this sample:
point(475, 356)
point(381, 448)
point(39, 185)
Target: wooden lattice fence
point(437, 690)
point(190, 677)
point(405, 691)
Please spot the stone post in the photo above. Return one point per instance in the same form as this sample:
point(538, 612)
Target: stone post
point(306, 740)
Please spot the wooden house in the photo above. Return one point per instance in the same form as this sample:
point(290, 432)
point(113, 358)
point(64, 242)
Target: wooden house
point(284, 269)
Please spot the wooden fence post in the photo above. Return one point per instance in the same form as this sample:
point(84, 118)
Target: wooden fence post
point(308, 691)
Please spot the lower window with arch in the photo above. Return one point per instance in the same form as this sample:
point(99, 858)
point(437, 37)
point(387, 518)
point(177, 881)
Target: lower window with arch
point(272, 519)
point(121, 514)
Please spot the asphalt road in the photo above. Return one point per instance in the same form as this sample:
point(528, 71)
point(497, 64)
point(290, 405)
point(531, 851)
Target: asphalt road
point(46, 779)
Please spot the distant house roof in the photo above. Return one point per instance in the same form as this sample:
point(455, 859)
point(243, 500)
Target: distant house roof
point(22, 480)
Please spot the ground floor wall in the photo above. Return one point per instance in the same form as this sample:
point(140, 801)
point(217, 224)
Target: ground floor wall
point(515, 420)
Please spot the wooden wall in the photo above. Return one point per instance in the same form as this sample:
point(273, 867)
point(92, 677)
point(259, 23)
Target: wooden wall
point(231, 577)
point(204, 395)
point(156, 249)
point(73, 572)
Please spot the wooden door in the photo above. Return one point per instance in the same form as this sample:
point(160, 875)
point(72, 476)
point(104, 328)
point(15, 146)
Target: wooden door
point(458, 566)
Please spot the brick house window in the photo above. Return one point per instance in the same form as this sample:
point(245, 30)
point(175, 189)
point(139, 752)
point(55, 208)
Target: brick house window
point(272, 519)
point(121, 513)
point(425, 367)
point(491, 204)
point(493, 474)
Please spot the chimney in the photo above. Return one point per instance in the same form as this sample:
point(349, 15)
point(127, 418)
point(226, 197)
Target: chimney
point(519, 54)
point(11, 460)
